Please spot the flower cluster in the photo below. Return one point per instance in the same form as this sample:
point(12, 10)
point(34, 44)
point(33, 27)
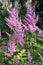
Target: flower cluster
point(30, 19)
point(19, 26)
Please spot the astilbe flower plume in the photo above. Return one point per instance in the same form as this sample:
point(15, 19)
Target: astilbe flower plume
point(29, 58)
point(11, 47)
point(7, 54)
point(41, 57)
point(19, 34)
point(14, 24)
point(30, 19)
point(40, 34)
point(16, 61)
point(0, 35)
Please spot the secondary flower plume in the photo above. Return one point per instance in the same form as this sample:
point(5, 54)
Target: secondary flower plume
point(11, 46)
point(30, 58)
point(19, 34)
point(16, 61)
point(41, 57)
point(30, 19)
point(40, 34)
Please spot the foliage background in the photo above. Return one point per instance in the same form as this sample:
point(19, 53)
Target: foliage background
point(37, 46)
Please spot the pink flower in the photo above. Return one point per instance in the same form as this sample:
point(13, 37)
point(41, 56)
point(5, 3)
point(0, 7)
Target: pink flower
point(29, 8)
point(16, 61)
point(41, 58)
point(29, 22)
point(15, 24)
point(11, 46)
point(7, 54)
point(11, 21)
point(0, 35)
point(29, 58)
point(19, 34)
point(40, 34)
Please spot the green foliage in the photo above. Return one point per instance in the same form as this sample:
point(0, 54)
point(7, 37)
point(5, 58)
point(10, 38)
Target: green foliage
point(22, 12)
point(3, 14)
point(22, 2)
